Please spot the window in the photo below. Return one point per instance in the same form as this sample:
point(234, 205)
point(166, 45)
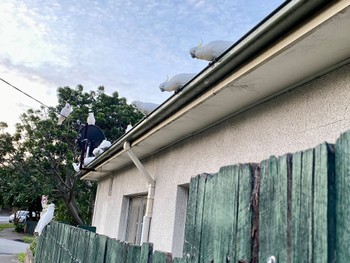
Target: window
point(180, 219)
point(136, 212)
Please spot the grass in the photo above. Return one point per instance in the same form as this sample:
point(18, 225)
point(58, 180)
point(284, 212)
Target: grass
point(7, 225)
point(28, 239)
point(21, 257)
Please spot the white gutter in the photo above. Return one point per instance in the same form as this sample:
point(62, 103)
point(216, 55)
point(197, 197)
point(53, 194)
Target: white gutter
point(150, 197)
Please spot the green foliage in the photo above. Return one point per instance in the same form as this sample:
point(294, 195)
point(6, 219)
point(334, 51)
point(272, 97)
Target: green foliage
point(19, 228)
point(28, 239)
point(7, 225)
point(21, 257)
point(38, 158)
point(33, 245)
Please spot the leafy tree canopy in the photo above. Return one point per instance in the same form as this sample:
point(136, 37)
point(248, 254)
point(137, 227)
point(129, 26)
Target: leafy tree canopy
point(38, 158)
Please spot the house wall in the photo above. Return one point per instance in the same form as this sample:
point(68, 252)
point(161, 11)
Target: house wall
point(299, 119)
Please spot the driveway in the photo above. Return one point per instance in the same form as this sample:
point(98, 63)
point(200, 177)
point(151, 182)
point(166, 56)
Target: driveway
point(9, 247)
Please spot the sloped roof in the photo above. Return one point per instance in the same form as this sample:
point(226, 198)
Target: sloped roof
point(300, 41)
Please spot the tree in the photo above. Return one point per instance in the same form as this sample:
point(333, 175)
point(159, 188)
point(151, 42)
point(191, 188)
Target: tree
point(46, 151)
point(3, 125)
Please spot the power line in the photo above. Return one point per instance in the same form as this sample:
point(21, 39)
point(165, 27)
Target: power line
point(24, 92)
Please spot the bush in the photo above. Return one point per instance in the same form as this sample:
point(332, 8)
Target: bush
point(33, 245)
point(21, 257)
point(19, 228)
point(28, 239)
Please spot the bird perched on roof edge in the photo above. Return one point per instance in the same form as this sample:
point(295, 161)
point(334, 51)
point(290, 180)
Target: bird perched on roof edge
point(145, 107)
point(210, 51)
point(176, 82)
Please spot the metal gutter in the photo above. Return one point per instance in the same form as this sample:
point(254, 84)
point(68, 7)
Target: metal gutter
point(276, 26)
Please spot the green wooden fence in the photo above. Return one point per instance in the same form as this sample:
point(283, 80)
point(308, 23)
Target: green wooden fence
point(295, 208)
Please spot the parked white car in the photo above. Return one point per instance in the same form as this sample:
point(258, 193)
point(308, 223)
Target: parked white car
point(21, 215)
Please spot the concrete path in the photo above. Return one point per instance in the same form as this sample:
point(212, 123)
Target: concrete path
point(10, 247)
point(8, 259)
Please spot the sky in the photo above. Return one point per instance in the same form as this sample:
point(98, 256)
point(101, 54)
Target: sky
point(126, 46)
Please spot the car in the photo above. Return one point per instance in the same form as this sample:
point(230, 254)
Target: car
point(21, 215)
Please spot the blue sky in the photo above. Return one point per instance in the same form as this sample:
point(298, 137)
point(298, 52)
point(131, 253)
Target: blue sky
point(126, 46)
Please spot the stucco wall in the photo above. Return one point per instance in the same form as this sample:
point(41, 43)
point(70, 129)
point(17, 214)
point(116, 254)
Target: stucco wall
point(302, 118)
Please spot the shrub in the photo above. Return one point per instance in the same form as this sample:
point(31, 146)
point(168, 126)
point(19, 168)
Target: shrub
point(19, 228)
point(33, 245)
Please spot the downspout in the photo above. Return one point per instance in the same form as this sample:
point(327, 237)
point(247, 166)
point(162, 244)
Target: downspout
point(150, 197)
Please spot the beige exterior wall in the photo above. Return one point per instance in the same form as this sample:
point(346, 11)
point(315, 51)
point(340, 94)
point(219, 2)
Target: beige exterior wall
point(302, 118)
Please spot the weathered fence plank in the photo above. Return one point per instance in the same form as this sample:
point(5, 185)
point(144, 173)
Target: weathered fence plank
point(208, 222)
point(83, 246)
point(302, 206)
point(133, 254)
point(181, 260)
point(342, 189)
point(244, 214)
point(227, 189)
point(324, 205)
point(114, 251)
point(193, 227)
point(161, 257)
point(273, 238)
point(189, 239)
point(146, 252)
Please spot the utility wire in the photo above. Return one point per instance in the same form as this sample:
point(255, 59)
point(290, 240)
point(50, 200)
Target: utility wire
point(24, 92)
point(29, 96)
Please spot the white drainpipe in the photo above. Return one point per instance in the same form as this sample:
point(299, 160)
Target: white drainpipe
point(150, 197)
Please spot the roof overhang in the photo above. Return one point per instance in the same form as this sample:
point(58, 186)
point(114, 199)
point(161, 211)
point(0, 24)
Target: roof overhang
point(300, 41)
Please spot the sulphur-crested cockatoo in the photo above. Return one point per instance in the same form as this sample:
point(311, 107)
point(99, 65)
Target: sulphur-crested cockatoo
point(64, 113)
point(176, 82)
point(210, 51)
point(45, 218)
point(91, 119)
point(128, 128)
point(88, 160)
point(97, 151)
point(76, 167)
point(145, 107)
point(105, 144)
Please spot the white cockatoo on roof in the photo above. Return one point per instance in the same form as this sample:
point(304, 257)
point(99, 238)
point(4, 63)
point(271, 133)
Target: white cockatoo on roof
point(76, 167)
point(88, 160)
point(91, 118)
point(64, 113)
point(128, 128)
point(210, 51)
point(97, 151)
point(145, 107)
point(105, 144)
point(45, 219)
point(176, 82)
point(100, 149)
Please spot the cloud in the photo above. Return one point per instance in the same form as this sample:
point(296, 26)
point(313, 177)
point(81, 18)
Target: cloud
point(126, 46)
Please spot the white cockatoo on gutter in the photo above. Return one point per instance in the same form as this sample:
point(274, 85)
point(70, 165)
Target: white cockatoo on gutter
point(145, 107)
point(210, 51)
point(176, 82)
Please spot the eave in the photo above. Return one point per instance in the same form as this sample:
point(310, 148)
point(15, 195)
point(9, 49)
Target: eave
point(299, 42)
